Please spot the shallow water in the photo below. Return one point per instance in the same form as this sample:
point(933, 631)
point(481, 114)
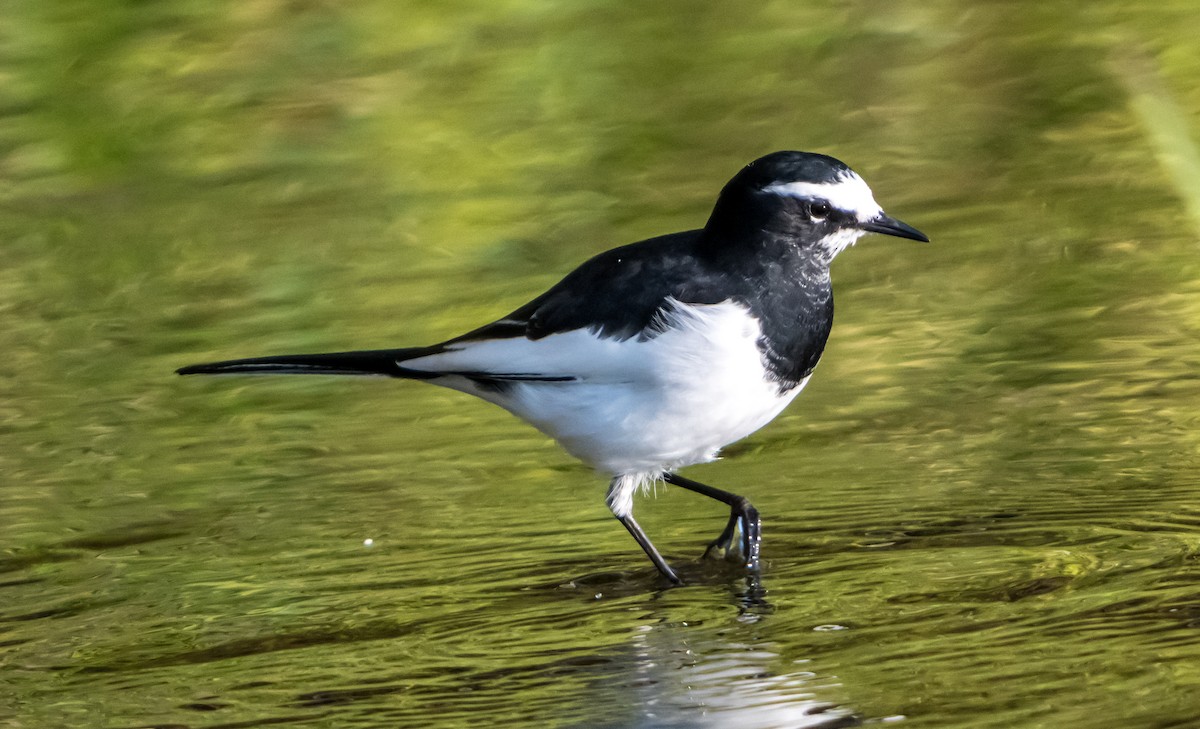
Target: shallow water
point(983, 511)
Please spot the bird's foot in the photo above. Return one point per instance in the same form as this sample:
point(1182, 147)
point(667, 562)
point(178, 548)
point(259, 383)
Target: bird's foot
point(744, 523)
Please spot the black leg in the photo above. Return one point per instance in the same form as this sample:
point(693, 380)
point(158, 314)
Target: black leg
point(725, 540)
point(740, 510)
point(651, 552)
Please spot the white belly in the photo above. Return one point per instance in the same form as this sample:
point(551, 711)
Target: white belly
point(635, 428)
point(636, 406)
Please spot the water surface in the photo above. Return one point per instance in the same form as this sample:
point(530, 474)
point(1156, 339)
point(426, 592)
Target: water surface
point(983, 511)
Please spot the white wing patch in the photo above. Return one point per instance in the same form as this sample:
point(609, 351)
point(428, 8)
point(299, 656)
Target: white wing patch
point(849, 194)
point(576, 355)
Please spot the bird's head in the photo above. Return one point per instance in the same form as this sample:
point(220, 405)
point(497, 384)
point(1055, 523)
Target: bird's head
point(813, 199)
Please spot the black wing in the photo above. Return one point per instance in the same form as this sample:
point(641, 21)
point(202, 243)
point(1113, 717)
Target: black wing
point(620, 293)
point(617, 293)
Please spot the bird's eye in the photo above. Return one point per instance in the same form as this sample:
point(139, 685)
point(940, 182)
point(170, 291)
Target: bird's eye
point(819, 209)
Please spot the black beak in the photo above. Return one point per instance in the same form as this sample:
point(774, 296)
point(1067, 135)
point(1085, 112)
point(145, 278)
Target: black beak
point(890, 226)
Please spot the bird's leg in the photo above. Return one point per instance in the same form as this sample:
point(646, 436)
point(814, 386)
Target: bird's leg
point(651, 552)
point(725, 540)
point(619, 500)
point(741, 513)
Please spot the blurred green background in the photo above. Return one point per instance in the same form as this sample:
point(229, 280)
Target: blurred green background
point(982, 512)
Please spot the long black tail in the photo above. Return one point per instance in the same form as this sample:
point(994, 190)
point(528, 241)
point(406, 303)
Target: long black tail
point(379, 362)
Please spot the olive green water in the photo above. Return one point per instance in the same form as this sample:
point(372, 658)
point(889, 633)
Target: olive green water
point(984, 511)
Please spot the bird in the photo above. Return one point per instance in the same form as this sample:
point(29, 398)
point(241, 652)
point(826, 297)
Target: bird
point(653, 356)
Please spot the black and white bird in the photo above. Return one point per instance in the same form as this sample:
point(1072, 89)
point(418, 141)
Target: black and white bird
point(653, 356)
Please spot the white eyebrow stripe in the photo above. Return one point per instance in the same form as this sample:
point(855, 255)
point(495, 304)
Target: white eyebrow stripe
point(849, 193)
